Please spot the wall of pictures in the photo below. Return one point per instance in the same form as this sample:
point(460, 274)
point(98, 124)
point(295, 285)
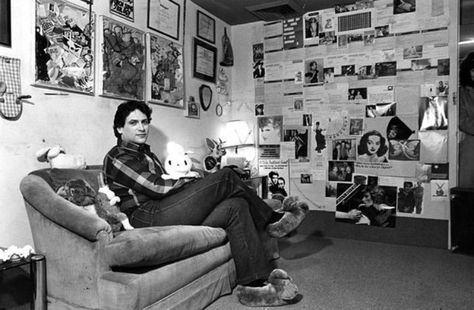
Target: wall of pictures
point(345, 108)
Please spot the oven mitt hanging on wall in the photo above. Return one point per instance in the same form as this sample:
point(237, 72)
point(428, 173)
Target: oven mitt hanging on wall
point(10, 88)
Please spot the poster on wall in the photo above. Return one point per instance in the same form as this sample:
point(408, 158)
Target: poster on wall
point(166, 79)
point(64, 46)
point(123, 60)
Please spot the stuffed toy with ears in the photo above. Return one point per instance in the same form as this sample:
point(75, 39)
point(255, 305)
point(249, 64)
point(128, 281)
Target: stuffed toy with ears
point(279, 290)
point(178, 164)
point(56, 156)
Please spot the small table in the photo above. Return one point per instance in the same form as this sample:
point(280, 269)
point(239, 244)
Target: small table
point(31, 288)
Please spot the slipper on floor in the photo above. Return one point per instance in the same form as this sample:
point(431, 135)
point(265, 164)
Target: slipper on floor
point(295, 212)
point(279, 291)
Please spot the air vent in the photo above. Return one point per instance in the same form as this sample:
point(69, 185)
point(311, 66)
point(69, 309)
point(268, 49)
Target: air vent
point(355, 22)
point(276, 10)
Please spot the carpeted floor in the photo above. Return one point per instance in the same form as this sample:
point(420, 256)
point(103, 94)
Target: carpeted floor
point(345, 274)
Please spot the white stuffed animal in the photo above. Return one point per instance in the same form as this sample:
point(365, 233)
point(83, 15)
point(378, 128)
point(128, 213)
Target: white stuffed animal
point(56, 156)
point(177, 163)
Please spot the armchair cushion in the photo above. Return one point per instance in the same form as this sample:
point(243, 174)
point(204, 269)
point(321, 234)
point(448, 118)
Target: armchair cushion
point(150, 246)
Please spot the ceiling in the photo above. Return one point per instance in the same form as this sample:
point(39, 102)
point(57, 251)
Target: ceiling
point(234, 12)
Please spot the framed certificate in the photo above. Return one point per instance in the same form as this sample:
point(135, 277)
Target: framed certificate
point(205, 60)
point(206, 27)
point(164, 16)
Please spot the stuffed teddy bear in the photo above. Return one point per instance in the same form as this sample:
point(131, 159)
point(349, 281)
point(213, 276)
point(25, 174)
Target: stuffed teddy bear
point(279, 290)
point(56, 156)
point(103, 203)
point(178, 164)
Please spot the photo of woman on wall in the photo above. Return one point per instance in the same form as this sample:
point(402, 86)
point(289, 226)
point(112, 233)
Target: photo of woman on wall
point(372, 148)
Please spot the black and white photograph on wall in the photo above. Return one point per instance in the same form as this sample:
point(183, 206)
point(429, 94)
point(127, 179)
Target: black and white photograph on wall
point(123, 8)
point(307, 120)
point(258, 70)
point(443, 66)
point(357, 93)
point(270, 129)
point(388, 68)
point(366, 72)
point(311, 25)
point(372, 148)
point(306, 178)
point(300, 138)
point(298, 104)
point(331, 189)
point(369, 38)
point(404, 6)
point(398, 130)
point(433, 113)
point(327, 38)
point(442, 88)
point(381, 109)
point(404, 150)
point(259, 109)
point(340, 170)
point(414, 51)
point(356, 126)
point(382, 31)
point(420, 64)
point(348, 70)
point(372, 205)
point(277, 185)
point(342, 41)
point(314, 71)
point(344, 149)
point(328, 75)
point(319, 137)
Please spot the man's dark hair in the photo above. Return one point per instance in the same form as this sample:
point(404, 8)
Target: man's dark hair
point(272, 173)
point(124, 110)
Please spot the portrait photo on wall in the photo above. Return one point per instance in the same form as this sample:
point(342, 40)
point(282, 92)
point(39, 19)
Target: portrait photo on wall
point(311, 26)
point(373, 205)
point(356, 126)
point(404, 6)
point(414, 51)
point(340, 170)
point(388, 68)
point(443, 66)
point(433, 113)
point(314, 71)
point(373, 147)
point(270, 129)
point(167, 74)
point(123, 60)
point(300, 138)
point(410, 197)
point(64, 47)
point(357, 93)
point(348, 70)
point(344, 149)
point(319, 137)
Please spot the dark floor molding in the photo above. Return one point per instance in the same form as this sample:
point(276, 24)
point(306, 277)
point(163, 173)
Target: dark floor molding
point(408, 231)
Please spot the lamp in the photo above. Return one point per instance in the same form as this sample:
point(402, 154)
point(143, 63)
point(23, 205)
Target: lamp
point(237, 133)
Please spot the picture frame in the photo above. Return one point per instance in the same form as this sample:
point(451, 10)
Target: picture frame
point(5, 23)
point(206, 27)
point(205, 61)
point(123, 8)
point(122, 65)
point(65, 58)
point(166, 17)
point(192, 108)
point(165, 72)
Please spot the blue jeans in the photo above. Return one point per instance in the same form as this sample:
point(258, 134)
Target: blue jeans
point(220, 200)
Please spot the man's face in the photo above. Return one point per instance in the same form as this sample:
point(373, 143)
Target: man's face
point(135, 128)
point(274, 179)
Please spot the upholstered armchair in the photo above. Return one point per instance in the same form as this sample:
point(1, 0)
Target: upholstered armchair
point(90, 267)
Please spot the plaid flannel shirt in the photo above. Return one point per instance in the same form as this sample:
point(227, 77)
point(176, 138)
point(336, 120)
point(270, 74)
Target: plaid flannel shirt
point(133, 173)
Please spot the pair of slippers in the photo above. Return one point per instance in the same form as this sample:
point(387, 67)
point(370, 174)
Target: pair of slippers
point(294, 213)
point(279, 290)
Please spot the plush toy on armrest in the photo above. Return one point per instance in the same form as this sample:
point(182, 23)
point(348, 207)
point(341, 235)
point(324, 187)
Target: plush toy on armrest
point(178, 164)
point(103, 203)
point(56, 156)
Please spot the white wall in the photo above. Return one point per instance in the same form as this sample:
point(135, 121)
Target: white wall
point(82, 124)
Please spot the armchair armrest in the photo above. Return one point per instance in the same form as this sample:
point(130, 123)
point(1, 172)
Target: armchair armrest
point(39, 195)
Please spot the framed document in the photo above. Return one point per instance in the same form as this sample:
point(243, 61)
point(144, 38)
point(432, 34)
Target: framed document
point(206, 27)
point(205, 60)
point(5, 23)
point(164, 16)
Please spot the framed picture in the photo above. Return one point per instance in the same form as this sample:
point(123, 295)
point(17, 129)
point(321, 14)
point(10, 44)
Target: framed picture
point(123, 8)
point(206, 27)
point(5, 23)
point(166, 17)
point(192, 108)
point(123, 60)
point(205, 60)
point(64, 52)
point(165, 72)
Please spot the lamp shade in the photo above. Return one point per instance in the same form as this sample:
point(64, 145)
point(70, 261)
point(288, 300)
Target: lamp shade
point(237, 133)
